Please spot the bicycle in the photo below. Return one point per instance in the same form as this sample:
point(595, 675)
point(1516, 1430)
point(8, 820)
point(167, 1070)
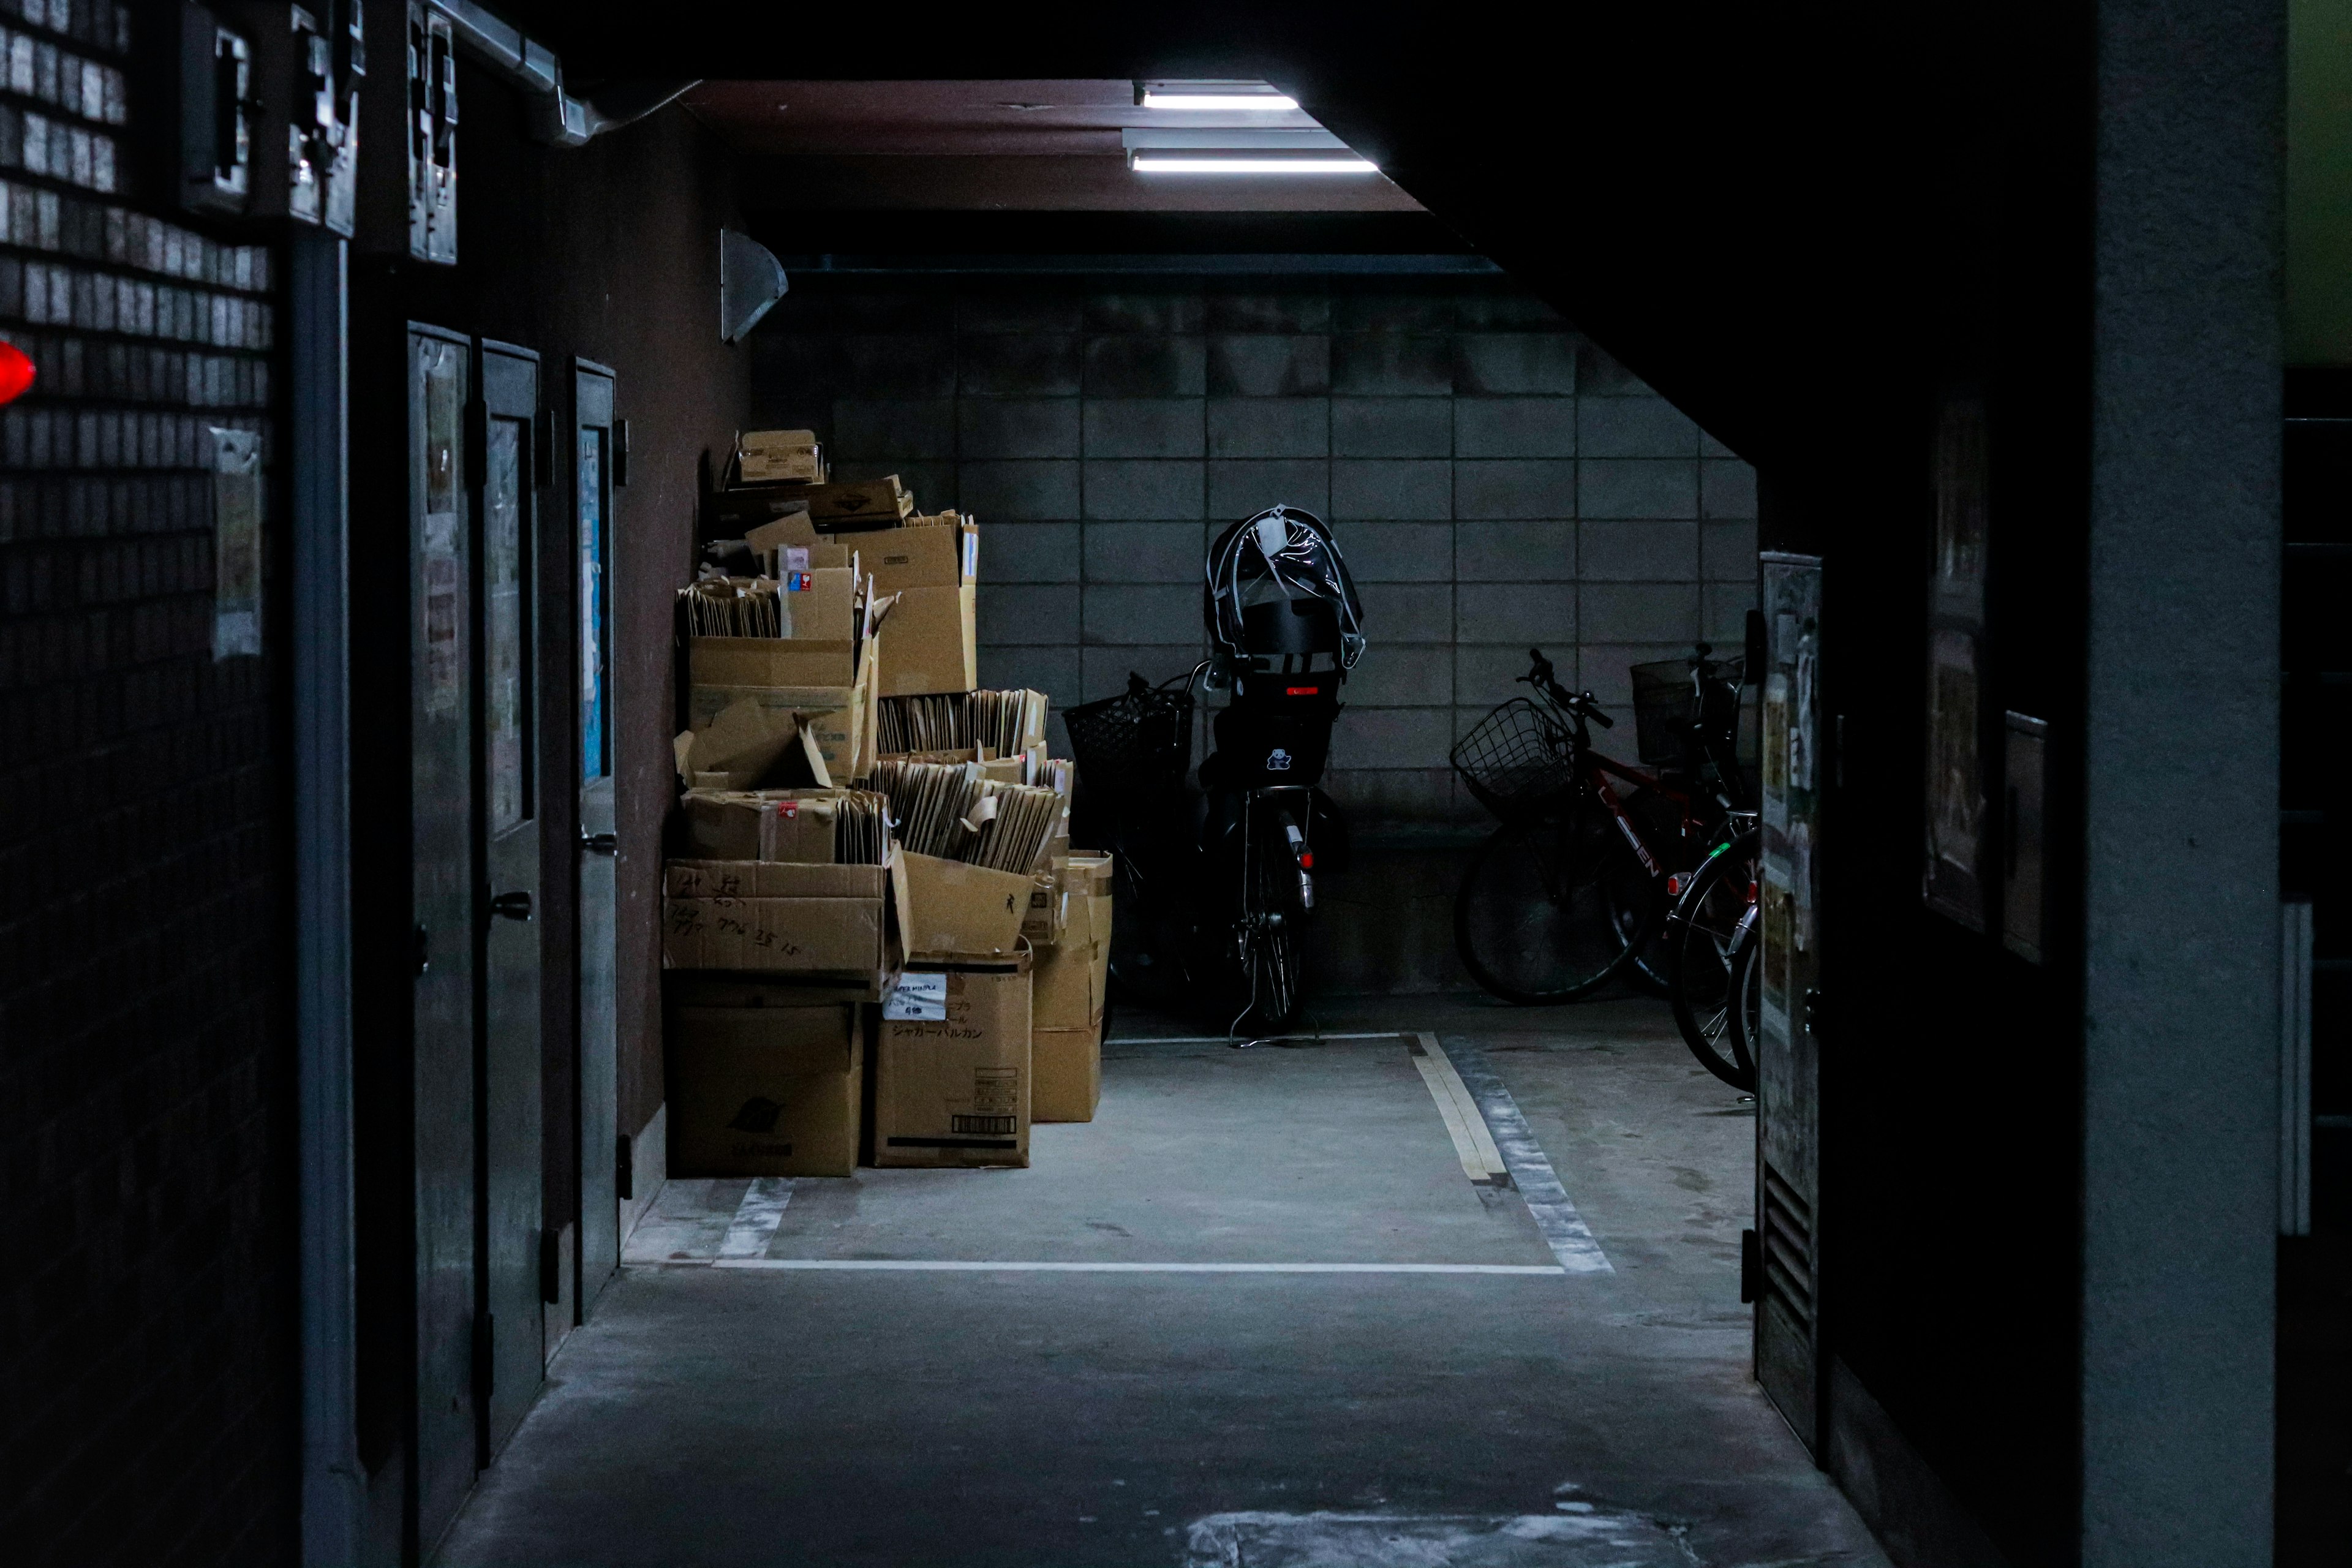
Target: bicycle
point(1223, 883)
point(1569, 889)
point(1711, 916)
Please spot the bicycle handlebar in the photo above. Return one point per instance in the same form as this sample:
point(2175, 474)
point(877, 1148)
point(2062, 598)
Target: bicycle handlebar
point(1540, 676)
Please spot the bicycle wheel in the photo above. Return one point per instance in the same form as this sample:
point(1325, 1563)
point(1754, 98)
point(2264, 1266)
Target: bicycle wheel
point(1747, 1020)
point(1532, 920)
point(1266, 980)
point(1700, 935)
point(1661, 824)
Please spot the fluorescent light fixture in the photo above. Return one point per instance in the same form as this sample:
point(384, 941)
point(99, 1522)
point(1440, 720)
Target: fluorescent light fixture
point(1151, 151)
point(1241, 164)
point(1226, 96)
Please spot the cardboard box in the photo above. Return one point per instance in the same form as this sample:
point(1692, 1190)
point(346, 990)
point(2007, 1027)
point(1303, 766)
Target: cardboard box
point(741, 664)
point(934, 646)
point(777, 918)
point(737, 513)
point(1048, 910)
point(762, 1082)
point(854, 506)
point(777, 456)
point(838, 717)
point(928, 552)
point(952, 1068)
point(1069, 989)
point(956, 910)
point(775, 825)
point(1059, 906)
point(1066, 1073)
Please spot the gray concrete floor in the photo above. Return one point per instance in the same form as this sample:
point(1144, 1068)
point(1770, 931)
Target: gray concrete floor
point(712, 1413)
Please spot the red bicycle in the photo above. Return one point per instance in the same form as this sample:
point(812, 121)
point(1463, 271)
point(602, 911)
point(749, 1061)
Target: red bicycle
point(1571, 890)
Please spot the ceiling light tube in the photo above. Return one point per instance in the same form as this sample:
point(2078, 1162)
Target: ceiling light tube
point(1226, 102)
point(1241, 163)
point(1227, 97)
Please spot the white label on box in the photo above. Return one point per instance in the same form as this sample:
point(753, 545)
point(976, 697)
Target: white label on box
point(796, 558)
point(919, 999)
point(972, 554)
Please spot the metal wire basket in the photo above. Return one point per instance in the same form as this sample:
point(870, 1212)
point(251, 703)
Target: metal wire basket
point(1518, 758)
point(1140, 740)
point(1662, 711)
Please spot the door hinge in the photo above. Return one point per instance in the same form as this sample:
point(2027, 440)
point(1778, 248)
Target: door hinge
point(485, 1362)
point(1814, 1012)
point(550, 1267)
point(424, 954)
point(625, 1169)
point(1752, 1267)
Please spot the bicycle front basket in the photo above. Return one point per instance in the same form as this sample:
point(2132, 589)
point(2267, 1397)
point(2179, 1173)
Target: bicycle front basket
point(1517, 759)
point(1141, 740)
point(1661, 711)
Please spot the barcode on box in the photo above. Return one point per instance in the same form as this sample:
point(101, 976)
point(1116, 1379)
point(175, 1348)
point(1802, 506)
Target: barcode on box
point(997, 1126)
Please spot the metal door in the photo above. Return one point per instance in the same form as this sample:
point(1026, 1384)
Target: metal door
point(597, 1079)
point(507, 1071)
point(442, 900)
point(1788, 1076)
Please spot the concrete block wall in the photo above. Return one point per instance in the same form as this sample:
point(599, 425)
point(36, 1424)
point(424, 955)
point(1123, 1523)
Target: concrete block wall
point(1496, 482)
point(147, 1325)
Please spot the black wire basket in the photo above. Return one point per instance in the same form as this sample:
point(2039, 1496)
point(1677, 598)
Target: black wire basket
point(1516, 760)
point(1663, 713)
point(1139, 742)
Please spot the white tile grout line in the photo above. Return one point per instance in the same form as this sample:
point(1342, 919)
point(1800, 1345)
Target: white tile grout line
point(949, 1266)
point(756, 1218)
point(1564, 1230)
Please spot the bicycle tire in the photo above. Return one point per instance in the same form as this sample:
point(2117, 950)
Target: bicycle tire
point(1263, 965)
point(1701, 933)
point(1746, 1022)
point(1530, 918)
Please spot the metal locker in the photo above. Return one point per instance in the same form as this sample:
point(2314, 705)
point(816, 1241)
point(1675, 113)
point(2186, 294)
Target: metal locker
point(508, 1081)
point(593, 457)
point(442, 903)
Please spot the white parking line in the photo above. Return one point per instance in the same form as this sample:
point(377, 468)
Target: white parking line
point(1563, 1230)
point(952, 1265)
point(756, 1218)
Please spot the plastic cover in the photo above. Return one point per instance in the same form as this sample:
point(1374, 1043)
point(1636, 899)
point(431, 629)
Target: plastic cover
point(1281, 556)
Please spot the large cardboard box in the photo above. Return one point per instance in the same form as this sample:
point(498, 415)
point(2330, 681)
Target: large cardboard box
point(836, 714)
point(776, 918)
point(853, 507)
point(934, 644)
point(1066, 1045)
point(1071, 980)
point(956, 910)
point(763, 1081)
point(777, 456)
point(952, 1068)
point(928, 553)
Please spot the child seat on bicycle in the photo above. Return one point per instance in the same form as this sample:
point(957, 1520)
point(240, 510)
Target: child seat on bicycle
point(1285, 627)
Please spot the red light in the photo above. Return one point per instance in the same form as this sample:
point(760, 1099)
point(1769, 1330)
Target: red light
point(1301, 690)
point(17, 373)
point(1306, 860)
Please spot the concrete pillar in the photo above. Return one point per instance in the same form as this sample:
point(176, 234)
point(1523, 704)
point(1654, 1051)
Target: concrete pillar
point(2180, 1101)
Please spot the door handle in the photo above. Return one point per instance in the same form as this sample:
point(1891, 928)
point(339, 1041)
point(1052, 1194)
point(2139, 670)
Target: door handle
point(599, 842)
point(512, 906)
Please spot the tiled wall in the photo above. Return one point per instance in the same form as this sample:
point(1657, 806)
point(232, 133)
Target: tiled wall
point(1496, 480)
point(145, 1060)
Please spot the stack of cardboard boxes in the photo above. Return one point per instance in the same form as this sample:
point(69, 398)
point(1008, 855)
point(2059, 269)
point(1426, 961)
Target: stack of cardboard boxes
point(832, 994)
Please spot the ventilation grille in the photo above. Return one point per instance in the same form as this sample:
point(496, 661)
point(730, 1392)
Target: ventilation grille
point(1787, 1248)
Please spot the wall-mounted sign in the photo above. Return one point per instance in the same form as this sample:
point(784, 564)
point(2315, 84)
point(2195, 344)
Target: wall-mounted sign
point(1953, 882)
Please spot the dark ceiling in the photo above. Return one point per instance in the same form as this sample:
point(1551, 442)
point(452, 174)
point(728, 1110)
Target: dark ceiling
point(1745, 204)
